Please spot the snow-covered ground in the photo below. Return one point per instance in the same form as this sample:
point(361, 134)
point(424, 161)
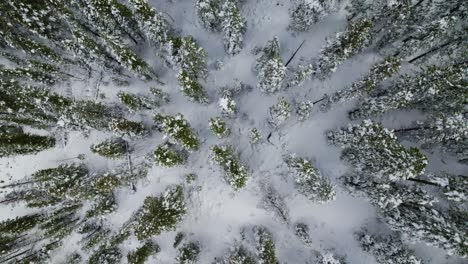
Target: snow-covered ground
point(217, 213)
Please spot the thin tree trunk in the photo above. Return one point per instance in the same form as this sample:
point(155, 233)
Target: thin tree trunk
point(432, 50)
point(294, 54)
point(422, 181)
point(16, 184)
point(409, 129)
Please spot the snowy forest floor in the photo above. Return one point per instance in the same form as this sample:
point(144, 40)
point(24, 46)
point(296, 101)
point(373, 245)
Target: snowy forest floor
point(216, 213)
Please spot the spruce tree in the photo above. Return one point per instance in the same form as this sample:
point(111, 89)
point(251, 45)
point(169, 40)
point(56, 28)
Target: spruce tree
point(234, 26)
point(345, 45)
point(188, 253)
point(279, 112)
point(306, 13)
point(111, 148)
point(235, 173)
point(387, 250)
point(14, 141)
point(219, 127)
point(160, 213)
point(265, 245)
point(209, 13)
point(179, 130)
point(167, 155)
point(374, 150)
point(309, 180)
point(141, 254)
point(270, 69)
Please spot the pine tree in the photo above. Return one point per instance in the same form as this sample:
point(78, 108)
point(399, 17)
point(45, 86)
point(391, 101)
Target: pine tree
point(302, 231)
point(309, 180)
point(265, 245)
point(254, 136)
point(345, 45)
point(234, 26)
point(160, 214)
point(153, 25)
point(433, 89)
point(379, 72)
point(141, 254)
point(127, 128)
point(330, 258)
point(209, 13)
point(374, 150)
point(453, 187)
point(306, 13)
point(137, 102)
point(235, 173)
point(304, 109)
point(237, 254)
point(167, 155)
point(449, 131)
point(270, 69)
point(188, 56)
point(188, 253)
point(279, 112)
point(178, 129)
point(14, 141)
point(111, 148)
point(387, 250)
point(219, 127)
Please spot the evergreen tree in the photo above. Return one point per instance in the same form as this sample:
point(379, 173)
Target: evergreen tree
point(265, 245)
point(141, 254)
point(270, 69)
point(167, 155)
point(178, 239)
point(160, 214)
point(153, 25)
point(254, 136)
point(188, 253)
point(345, 45)
point(137, 102)
point(235, 173)
point(433, 89)
point(209, 13)
point(279, 112)
point(111, 148)
point(237, 254)
point(306, 13)
point(178, 129)
point(374, 150)
point(14, 141)
point(124, 127)
point(387, 250)
point(309, 180)
point(453, 187)
point(379, 72)
point(302, 231)
point(330, 258)
point(304, 109)
point(234, 26)
point(219, 127)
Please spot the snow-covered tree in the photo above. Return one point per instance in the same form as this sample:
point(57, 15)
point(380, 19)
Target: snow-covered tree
point(453, 187)
point(219, 127)
point(155, 27)
point(279, 112)
point(127, 128)
point(235, 173)
point(209, 13)
point(379, 72)
point(111, 148)
point(345, 45)
point(137, 102)
point(233, 25)
point(167, 155)
point(179, 130)
point(14, 141)
point(238, 254)
point(160, 213)
point(141, 254)
point(270, 69)
point(374, 150)
point(304, 109)
point(302, 231)
point(188, 56)
point(188, 253)
point(254, 135)
point(433, 89)
point(309, 180)
point(265, 245)
point(387, 250)
point(448, 130)
point(330, 258)
point(306, 13)
point(227, 104)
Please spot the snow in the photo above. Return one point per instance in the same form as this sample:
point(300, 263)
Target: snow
point(216, 213)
